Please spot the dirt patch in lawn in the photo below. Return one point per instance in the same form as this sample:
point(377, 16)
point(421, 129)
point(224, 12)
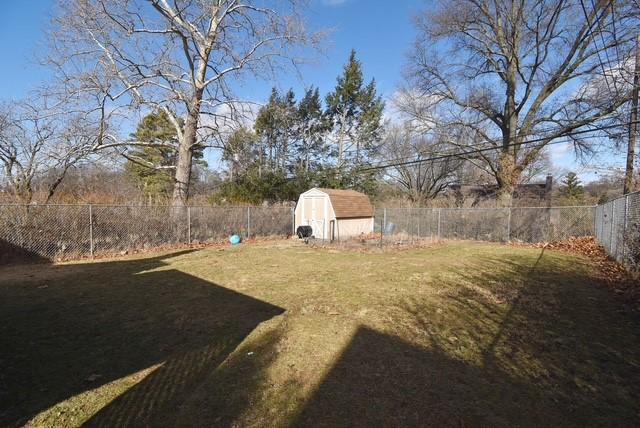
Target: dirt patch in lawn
point(372, 243)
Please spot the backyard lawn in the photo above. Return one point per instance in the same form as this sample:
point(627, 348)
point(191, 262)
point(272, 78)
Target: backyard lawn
point(281, 334)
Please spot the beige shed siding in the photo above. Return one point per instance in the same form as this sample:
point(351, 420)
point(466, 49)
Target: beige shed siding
point(353, 227)
point(318, 208)
point(312, 210)
point(308, 208)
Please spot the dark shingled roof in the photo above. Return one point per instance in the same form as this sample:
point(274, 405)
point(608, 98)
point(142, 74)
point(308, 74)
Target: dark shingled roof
point(349, 203)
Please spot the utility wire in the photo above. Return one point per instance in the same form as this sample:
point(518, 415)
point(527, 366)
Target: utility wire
point(485, 149)
point(494, 145)
point(590, 32)
point(447, 155)
point(615, 34)
point(604, 43)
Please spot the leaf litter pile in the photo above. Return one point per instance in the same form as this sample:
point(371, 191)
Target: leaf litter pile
point(620, 280)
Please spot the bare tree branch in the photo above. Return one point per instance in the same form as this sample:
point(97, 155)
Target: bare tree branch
point(181, 57)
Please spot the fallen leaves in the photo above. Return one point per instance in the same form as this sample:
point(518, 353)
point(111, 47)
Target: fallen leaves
point(620, 280)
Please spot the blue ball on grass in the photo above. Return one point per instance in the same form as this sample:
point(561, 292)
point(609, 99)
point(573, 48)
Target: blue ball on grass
point(235, 239)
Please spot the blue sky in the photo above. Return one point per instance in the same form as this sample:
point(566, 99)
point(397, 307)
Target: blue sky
point(21, 33)
point(381, 31)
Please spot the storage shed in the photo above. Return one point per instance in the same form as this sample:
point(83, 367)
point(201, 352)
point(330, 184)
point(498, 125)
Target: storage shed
point(334, 213)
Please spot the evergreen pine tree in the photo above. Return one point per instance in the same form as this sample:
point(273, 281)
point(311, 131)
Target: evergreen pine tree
point(150, 167)
point(572, 189)
point(274, 126)
point(311, 127)
point(355, 112)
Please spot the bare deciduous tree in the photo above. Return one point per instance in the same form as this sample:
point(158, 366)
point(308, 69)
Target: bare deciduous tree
point(37, 140)
point(422, 180)
point(527, 71)
point(124, 57)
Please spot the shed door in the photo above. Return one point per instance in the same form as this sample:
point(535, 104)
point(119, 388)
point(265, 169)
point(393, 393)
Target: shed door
point(314, 213)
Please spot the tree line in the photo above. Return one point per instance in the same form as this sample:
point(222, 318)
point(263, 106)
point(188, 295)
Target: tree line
point(487, 88)
point(297, 144)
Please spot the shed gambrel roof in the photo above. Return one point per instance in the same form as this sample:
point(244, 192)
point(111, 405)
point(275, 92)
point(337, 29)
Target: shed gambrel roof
point(349, 203)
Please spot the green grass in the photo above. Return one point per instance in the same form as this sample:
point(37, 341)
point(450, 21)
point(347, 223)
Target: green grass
point(280, 334)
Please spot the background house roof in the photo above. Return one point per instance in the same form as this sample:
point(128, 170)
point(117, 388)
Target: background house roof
point(349, 203)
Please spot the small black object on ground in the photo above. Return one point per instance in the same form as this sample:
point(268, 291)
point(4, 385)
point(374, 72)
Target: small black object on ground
point(305, 232)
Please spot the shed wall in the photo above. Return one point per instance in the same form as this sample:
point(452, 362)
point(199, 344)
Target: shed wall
point(347, 227)
point(314, 209)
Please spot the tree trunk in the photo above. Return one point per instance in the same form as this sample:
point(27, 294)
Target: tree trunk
point(507, 178)
point(633, 125)
point(185, 153)
point(508, 174)
point(183, 176)
point(54, 186)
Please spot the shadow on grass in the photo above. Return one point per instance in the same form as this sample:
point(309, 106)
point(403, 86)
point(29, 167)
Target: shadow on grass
point(382, 380)
point(10, 253)
point(502, 341)
point(522, 344)
point(87, 325)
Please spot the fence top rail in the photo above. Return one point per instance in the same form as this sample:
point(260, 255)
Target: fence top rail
point(489, 209)
point(289, 207)
point(636, 193)
point(143, 206)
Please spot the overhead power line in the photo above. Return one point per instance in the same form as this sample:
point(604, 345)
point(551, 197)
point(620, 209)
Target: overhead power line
point(493, 148)
point(537, 132)
point(498, 146)
point(604, 43)
point(590, 33)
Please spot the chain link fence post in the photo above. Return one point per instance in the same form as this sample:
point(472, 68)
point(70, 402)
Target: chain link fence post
point(293, 221)
point(624, 228)
point(189, 225)
point(439, 215)
point(613, 226)
point(248, 222)
point(509, 225)
point(91, 231)
point(596, 223)
point(384, 218)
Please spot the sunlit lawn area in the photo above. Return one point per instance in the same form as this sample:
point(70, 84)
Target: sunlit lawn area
point(279, 334)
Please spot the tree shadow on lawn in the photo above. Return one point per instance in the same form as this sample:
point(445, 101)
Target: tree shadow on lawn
point(523, 345)
point(11, 253)
point(507, 342)
point(83, 326)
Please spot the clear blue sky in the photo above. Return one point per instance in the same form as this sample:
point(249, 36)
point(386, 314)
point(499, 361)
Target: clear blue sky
point(21, 33)
point(381, 31)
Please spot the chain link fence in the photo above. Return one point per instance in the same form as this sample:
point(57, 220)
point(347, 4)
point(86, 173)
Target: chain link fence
point(618, 229)
point(484, 224)
point(60, 232)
